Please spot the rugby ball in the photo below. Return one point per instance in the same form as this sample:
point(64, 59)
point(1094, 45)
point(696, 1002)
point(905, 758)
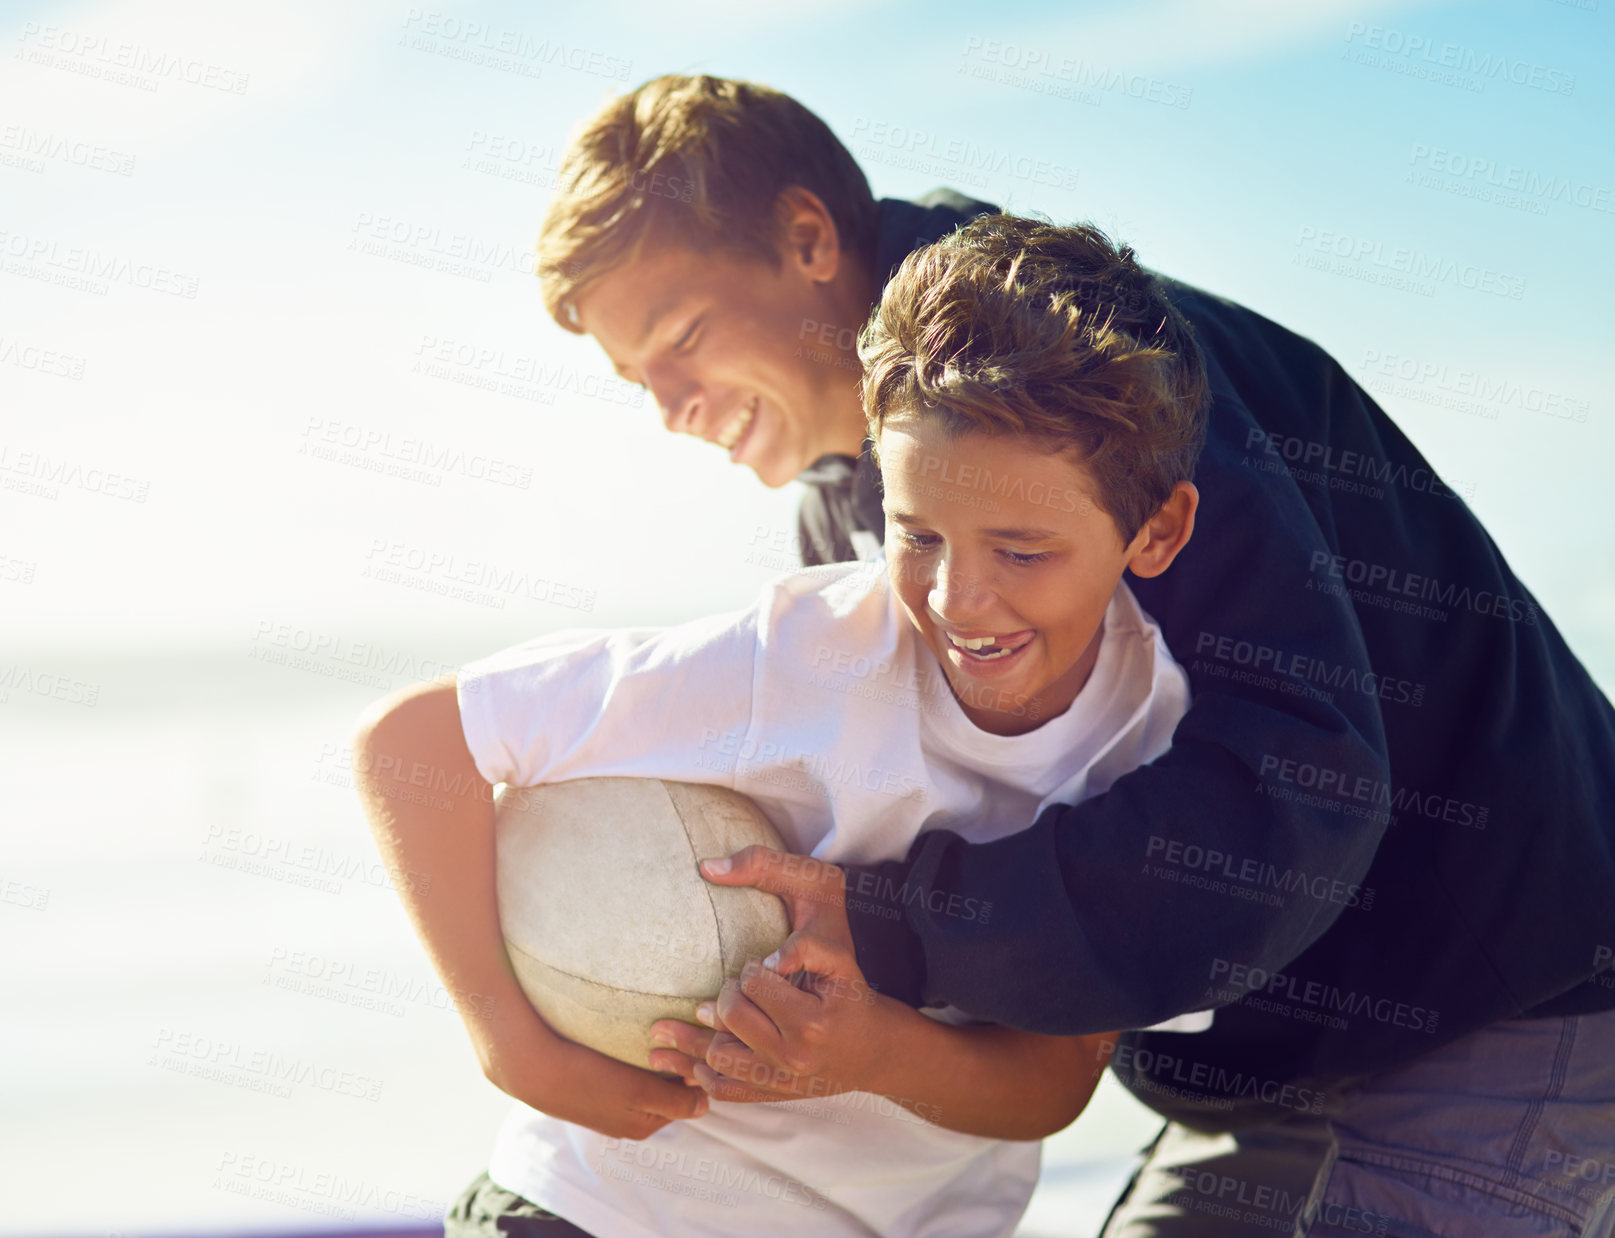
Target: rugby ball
point(607, 922)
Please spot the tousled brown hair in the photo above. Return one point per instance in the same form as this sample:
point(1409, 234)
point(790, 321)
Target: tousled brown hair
point(1017, 326)
point(694, 161)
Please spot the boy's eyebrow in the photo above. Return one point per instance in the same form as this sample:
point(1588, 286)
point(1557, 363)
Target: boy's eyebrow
point(1022, 535)
point(1008, 535)
point(657, 309)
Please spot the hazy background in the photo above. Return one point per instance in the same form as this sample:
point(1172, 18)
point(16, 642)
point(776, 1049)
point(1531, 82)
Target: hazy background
point(205, 572)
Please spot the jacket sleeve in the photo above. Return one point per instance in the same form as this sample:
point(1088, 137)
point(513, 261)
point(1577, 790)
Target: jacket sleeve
point(1115, 912)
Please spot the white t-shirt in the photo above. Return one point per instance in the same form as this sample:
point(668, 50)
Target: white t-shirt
point(822, 705)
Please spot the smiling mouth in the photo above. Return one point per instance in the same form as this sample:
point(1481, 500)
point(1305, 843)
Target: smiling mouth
point(989, 648)
point(738, 425)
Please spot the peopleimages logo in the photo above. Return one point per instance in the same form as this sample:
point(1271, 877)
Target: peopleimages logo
point(1450, 63)
point(1203, 1080)
point(921, 149)
point(721, 1175)
point(1308, 670)
point(89, 270)
point(1534, 186)
point(118, 60)
point(1316, 454)
point(886, 893)
point(999, 485)
point(1402, 266)
point(1467, 391)
point(1192, 857)
point(1399, 584)
point(1348, 787)
point(1046, 71)
point(803, 768)
point(1251, 983)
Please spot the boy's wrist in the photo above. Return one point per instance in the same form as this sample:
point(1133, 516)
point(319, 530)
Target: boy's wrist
point(884, 1073)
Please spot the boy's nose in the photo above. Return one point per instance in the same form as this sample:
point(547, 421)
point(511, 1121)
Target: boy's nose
point(680, 413)
point(957, 593)
point(679, 399)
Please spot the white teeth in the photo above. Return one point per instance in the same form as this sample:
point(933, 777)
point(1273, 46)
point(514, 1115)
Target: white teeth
point(976, 643)
point(737, 426)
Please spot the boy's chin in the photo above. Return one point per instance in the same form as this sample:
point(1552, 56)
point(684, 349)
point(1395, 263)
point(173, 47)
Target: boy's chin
point(998, 695)
point(773, 469)
point(775, 479)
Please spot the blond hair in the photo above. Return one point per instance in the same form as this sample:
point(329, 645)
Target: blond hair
point(698, 162)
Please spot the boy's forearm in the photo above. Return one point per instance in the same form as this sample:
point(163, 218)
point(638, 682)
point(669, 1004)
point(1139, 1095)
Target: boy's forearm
point(991, 1081)
point(431, 813)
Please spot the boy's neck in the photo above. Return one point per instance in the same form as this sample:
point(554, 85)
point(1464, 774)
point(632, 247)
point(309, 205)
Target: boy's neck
point(853, 298)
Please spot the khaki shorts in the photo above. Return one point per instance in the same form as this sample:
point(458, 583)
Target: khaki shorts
point(485, 1210)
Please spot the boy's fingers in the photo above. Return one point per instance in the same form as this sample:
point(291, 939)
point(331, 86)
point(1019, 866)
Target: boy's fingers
point(731, 1066)
point(674, 1062)
point(802, 881)
point(804, 951)
point(750, 866)
point(721, 1087)
point(685, 1045)
point(687, 1038)
point(746, 1020)
point(784, 1003)
point(675, 1101)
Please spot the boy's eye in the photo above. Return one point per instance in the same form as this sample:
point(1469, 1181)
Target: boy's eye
point(686, 341)
point(928, 541)
point(916, 541)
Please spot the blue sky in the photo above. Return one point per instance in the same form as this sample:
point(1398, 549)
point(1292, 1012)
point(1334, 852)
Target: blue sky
point(1293, 157)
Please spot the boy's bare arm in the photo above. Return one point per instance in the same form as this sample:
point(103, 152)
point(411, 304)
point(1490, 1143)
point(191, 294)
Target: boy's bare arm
point(988, 1080)
point(829, 1032)
point(432, 812)
point(781, 1043)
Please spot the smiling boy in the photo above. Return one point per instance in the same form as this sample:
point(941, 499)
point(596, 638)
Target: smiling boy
point(1033, 677)
point(755, 398)
point(738, 309)
point(1019, 483)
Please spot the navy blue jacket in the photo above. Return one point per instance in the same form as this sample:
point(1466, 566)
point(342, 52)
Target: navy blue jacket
point(1387, 819)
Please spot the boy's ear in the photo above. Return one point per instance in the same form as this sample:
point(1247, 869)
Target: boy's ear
point(1165, 533)
point(808, 237)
